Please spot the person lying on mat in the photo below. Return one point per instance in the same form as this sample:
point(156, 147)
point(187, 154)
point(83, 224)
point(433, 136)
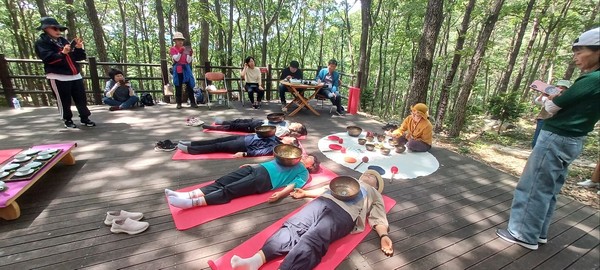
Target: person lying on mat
point(416, 132)
point(247, 180)
point(241, 146)
point(285, 128)
point(305, 237)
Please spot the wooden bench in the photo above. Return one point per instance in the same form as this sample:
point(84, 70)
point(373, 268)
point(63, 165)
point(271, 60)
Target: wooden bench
point(9, 208)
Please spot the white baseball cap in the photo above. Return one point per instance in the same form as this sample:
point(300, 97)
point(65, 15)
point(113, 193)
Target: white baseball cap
point(589, 38)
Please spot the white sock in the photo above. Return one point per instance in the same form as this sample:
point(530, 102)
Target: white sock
point(184, 195)
point(252, 263)
point(186, 203)
point(183, 148)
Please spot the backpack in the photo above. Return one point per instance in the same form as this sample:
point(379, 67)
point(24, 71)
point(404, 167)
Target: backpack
point(147, 100)
point(199, 95)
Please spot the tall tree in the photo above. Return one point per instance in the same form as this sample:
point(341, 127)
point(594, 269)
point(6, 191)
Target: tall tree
point(204, 31)
point(517, 47)
point(267, 22)
point(183, 22)
point(458, 52)
point(424, 57)
point(465, 91)
point(161, 29)
point(41, 8)
point(365, 13)
point(72, 33)
point(98, 32)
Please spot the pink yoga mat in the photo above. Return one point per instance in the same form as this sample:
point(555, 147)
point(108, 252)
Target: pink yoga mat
point(337, 252)
point(188, 218)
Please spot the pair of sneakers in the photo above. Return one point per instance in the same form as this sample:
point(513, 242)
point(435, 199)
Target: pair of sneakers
point(85, 122)
point(165, 146)
point(125, 222)
point(194, 122)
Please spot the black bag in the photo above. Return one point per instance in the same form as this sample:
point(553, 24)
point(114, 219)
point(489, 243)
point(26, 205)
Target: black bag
point(147, 100)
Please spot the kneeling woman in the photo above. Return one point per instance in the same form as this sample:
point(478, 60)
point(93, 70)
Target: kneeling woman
point(416, 132)
point(247, 180)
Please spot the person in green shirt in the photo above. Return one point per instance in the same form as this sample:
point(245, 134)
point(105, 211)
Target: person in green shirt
point(574, 114)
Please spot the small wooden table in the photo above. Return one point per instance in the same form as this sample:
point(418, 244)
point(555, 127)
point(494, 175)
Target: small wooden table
point(9, 209)
point(300, 99)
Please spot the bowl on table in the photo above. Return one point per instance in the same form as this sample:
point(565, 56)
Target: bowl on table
point(287, 155)
point(344, 188)
point(276, 117)
point(265, 131)
point(354, 131)
point(370, 147)
point(362, 141)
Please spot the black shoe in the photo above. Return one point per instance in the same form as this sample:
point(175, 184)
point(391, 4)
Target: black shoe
point(88, 123)
point(178, 106)
point(114, 108)
point(506, 236)
point(194, 105)
point(166, 146)
point(70, 124)
point(340, 113)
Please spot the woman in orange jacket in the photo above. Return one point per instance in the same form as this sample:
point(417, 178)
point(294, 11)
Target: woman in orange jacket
point(416, 132)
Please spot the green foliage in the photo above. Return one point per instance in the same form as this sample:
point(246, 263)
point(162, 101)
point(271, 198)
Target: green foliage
point(506, 107)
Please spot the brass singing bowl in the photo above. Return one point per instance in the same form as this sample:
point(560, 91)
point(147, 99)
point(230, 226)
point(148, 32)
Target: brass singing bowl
point(354, 131)
point(392, 142)
point(385, 151)
point(265, 131)
point(370, 147)
point(400, 149)
point(362, 141)
point(276, 117)
point(344, 188)
point(287, 155)
point(370, 138)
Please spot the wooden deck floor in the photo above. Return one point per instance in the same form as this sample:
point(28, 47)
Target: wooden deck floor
point(446, 220)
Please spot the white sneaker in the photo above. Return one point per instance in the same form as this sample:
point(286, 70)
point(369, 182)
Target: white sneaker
point(121, 215)
point(129, 226)
point(588, 183)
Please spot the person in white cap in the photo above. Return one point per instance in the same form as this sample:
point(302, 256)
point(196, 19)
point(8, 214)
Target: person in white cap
point(539, 120)
point(182, 70)
point(305, 236)
point(575, 112)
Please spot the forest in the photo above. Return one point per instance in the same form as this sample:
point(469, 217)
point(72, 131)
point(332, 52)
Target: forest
point(463, 58)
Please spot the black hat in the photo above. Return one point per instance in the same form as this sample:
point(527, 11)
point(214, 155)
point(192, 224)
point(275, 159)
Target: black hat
point(46, 22)
point(294, 64)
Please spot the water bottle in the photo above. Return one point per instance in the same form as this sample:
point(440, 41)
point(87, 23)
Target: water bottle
point(16, 104)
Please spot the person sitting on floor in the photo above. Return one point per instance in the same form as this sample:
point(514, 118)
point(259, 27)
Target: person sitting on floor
point(305, 237)
point(247, 180)
point(118, 93)
point(241, 146)
point(416, 132)
point(284, 128)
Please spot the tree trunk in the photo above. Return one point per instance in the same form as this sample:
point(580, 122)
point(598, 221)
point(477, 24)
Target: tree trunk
point(365, 12)
point(183, 22)
point(124, 34)
point(515, 50)
point(534, 31)
point(346, 20)
point(424, 58)
point(465, 92)
point(267, 23)
point(98, 32)
point(72, 33)
point(204, 33)
point(460, 41)
point(161, 30)
point(220, 34)
point(41, 8)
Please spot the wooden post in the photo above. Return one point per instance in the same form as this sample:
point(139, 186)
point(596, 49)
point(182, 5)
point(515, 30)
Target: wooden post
point(95, 81)
point(164, 73)
point(269, 82)
point(9, 92)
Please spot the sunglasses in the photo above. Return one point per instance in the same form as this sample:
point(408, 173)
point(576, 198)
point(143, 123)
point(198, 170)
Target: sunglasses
point(54, 28)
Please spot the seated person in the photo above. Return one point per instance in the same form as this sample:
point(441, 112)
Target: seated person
point(241, 146)
point(118, 93)
point(331, 78)
point(285, 128)
point(305, 237)
point(253, 78)
point(416, 132)
point(291, 72)
point(247, 180)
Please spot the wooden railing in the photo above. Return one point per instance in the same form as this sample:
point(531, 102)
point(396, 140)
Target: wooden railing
point(26, 80)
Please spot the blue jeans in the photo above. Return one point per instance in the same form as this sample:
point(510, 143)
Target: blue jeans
point(124, 105)
point(544, 174)
point(335, 99)
point(538, 127)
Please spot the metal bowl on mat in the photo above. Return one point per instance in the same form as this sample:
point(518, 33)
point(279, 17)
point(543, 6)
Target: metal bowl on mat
point(344, 188)
point(354, 131)
point(265, 131)
point(287, 155)
point(276, 117)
